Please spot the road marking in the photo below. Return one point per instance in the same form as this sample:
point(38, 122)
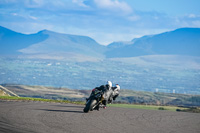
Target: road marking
point(8, 91)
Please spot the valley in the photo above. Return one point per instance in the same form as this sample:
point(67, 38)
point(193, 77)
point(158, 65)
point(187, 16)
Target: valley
point(140, 74)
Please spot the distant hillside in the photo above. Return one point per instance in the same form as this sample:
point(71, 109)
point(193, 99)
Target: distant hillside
point(126, 96)
point(47, 92)
point(11, 41)
point(45, 43)
point(64, 43)
point(184, 41)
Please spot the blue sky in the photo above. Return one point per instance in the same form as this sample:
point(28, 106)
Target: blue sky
point(103, 20)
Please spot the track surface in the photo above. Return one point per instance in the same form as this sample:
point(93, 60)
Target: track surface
point(33, 117)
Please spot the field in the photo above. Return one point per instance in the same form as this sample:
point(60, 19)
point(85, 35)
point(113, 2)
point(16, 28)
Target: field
point(125, 97)
point(154, 74)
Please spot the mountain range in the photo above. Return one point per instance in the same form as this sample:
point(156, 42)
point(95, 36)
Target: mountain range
point(184, 41)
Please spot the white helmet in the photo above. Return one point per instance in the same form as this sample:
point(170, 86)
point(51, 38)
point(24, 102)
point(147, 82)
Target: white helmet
point(109, 83)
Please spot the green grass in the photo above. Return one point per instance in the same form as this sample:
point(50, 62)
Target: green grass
point(148, 107)
point(38, 99)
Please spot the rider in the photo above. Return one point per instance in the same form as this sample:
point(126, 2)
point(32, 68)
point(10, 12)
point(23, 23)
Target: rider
point(116, 91)
point(107, 93)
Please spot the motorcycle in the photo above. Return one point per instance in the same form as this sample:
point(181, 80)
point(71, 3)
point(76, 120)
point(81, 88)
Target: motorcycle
point(94, 101)
point(97, 99)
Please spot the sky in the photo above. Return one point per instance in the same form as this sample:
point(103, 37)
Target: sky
point(105, 21)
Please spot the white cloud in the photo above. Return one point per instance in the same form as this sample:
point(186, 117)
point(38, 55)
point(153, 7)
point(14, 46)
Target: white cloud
point(113, 5)
point(34, 3)
point(8, 1)
point(134, 18)
point(14, 14)
point(196, 23)
point(79, 2)
point(188, 20)
point(25, 16)
point(32, 17)
point(192, 16)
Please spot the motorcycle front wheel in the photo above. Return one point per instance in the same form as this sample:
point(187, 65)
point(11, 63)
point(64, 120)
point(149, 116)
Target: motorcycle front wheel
point(90, 105)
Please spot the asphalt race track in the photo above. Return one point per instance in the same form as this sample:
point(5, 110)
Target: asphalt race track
point(37, 117)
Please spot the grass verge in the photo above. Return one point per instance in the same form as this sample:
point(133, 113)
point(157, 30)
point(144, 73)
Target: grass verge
point(38, 99)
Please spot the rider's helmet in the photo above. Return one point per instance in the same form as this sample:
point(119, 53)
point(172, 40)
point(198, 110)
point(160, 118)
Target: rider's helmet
point(109, 83)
